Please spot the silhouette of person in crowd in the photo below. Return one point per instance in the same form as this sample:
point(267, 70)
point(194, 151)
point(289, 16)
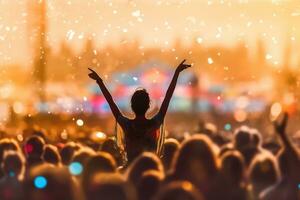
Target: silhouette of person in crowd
point(141, 133)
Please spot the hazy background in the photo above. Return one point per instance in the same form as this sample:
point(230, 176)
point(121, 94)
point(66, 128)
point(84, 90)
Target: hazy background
point(153, 22)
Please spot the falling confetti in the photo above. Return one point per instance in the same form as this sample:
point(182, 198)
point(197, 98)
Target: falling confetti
point(210, 61)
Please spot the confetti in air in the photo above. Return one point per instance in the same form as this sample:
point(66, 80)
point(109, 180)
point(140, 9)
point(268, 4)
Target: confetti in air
point(210, 61)
point(70, 34)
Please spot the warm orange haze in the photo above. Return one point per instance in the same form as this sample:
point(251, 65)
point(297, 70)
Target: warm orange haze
point(46, 47)
point(149, 99)
point(214, 22)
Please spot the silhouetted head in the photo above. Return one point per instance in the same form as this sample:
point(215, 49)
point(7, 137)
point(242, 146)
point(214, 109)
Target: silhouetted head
point(196, 160)
point(34, 146)
point(263, 172)
point(179, 190)
point(242, 138)
point(51, 154)
point(109, 186)
point(13, 164)
point(40, 133)
point(170, 147)
point(83, 155)
point(149, 184)
point(144, 162)
point(140, 102)
point(101, 162)
point(49, 182)
point(233, 167)
point(68, 151)
point(5, 145)
point(110, 146)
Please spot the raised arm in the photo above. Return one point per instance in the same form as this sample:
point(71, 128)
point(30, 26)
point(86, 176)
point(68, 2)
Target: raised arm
point(165, 104)
point(281, 131)
point(114, 108)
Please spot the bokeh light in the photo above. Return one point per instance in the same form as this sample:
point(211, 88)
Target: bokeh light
point(79, 122)
point(240, 115)
point(75, 168)
point(28, 148)
point(11, 174)
point(100, 135)
point(18, 108)
point(64, 135)
point(20, 137)
point(276, 109)
point(40, 182)
point(227, 127)
point(242, 102)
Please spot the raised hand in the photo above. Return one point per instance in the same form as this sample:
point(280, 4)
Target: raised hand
point(182, 66)
point(93, 75)
point(281, 126)
point(114, 108)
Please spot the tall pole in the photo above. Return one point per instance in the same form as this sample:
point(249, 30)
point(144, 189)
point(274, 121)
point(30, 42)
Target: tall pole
point(37, 30)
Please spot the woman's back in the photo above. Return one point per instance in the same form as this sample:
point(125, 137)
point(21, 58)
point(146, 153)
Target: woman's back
point(141, 134)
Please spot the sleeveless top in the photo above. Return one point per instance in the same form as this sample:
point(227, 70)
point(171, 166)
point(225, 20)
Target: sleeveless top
point(138, 136)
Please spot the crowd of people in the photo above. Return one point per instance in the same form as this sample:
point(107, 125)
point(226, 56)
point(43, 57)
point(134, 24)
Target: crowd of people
point(201, 167)
point(204, 166)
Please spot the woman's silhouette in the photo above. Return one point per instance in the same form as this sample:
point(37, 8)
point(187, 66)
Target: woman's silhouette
point(141, 134)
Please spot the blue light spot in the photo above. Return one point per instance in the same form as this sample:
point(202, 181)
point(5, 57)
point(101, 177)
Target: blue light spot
point(227, 127)
point(299, 186)
point(40, 182)
point(11, 174)
point(75, 168)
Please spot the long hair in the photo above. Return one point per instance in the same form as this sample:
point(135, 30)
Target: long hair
point(195, 153)
point(120, 140)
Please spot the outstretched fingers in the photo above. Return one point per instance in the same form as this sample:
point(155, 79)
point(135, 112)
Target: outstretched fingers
point(182, 62)
point(280, 126)
point(91, 70)
point(187, 65)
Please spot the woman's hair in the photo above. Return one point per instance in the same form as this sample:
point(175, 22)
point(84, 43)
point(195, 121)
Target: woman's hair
point(179, 190)
point(140, 101)
point(101, 162)
point(110, 146)
point(144, 162)
point(34, 146)
point(13, 164)
point(198, 152)
point(109, 186)
point(49, 182)
point(8, 144)
point(263, 171)
point(83, 155)
point(149, 184)
point(233, 167)
point(242, 137)
point(170, 147)
point(68, 151)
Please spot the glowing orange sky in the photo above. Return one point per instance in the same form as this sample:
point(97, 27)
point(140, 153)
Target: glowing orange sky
point(153, 22)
